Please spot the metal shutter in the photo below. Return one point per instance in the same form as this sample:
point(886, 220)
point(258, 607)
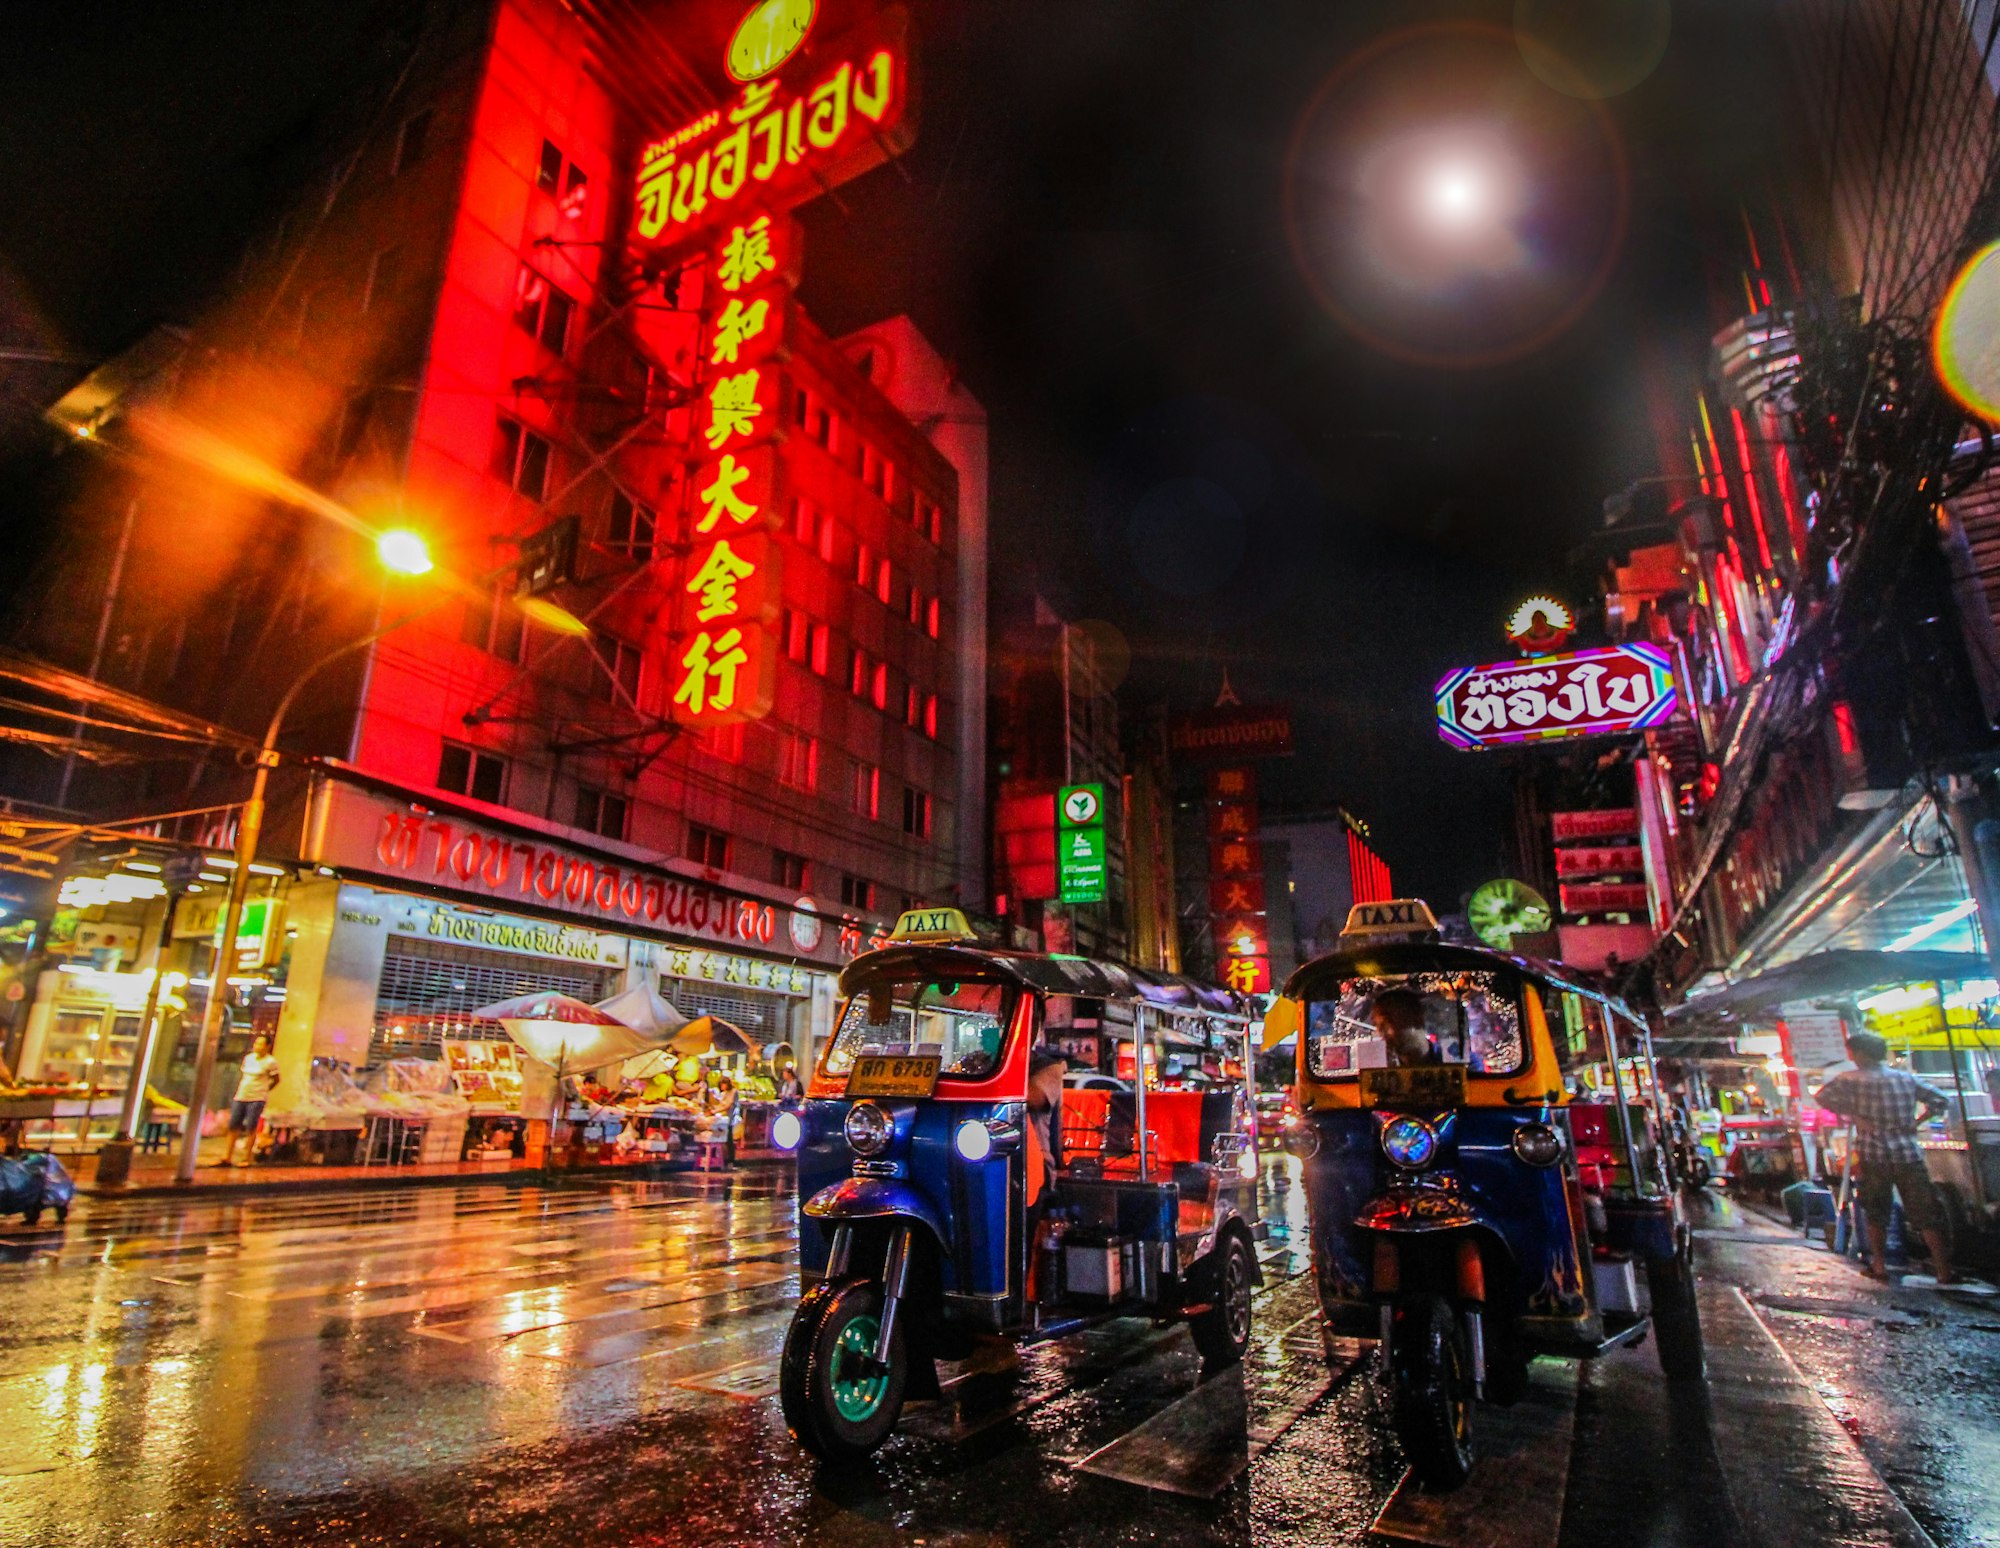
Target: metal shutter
point(759, 1015)
point(428, 989)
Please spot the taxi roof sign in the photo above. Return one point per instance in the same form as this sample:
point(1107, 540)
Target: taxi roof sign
point(1404, 918)
point(933, 924)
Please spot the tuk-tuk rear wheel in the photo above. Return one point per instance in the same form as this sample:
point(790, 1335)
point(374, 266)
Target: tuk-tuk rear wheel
point(1431, 1382)
point(1676, 1316)
point(839, 1403)
point(1222, 1333)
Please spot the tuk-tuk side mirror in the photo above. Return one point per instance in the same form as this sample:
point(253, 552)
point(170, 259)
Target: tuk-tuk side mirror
point(881, 1002)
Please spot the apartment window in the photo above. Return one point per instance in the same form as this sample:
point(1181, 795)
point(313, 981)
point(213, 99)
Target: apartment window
point(799, 762)
point(916, 608)
point(822, 649)
point(620, 660)
point(549, 170)
point(931, 716)
point(469, 772)
point(856, 893)
point(723, 742)
point(789, 870)
point(410, 140)
point(576, 191)
point(495, 626)
point(599, 811)
point(929, 517)
point(385, 277)
point(867, 790)
point(878, 687)
point(798, 635)
point(708, 848)
point(864, 566)
point(857, 676)
point(521, 459)
point(933, 616)
point(916, 812)
point(885, 582)
point(543, 310)
point(805, 523)
point(877, 472)
point(632, 527)
point(913, 706)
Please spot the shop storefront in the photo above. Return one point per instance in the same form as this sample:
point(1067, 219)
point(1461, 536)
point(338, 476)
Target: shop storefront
point(404, 921)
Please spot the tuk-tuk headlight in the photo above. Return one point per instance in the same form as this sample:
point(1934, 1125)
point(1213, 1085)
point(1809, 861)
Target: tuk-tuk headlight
point(787, 1131)
point(973, 1140)
point(1409, 1142)
point(867, 1129)
point(1301, 1139)
point(1538, 1144)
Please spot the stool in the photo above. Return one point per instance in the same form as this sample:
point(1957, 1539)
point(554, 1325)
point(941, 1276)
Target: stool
point(155, 1133)
point(711, 1155)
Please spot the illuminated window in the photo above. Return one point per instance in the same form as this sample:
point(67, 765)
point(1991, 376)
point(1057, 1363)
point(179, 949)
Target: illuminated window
point(822, 649)
point(549, 170)
point(385, 277)
point(599, 811)
point(932, 617)
point(467, 771)
point(543, 310)
point(916, 610)
point(878, 688)
point(721, 742)
point(798, 635)
point(885, 582)
point(864, 566)
point(916, 812)
point(877, 472)
point(799, 761)
point(620, 661)
point(410, 140)
point(576, 191)
point(495, 626)
point(805, 522)
point(828, 533)
point(631, 528)
point(708, 848)
point(867, 790)
point(931, 716)
point(856, 893)
point(913, 706)
point(521, 459)
point(857, 674)
point(790, 870)
point(930, 520)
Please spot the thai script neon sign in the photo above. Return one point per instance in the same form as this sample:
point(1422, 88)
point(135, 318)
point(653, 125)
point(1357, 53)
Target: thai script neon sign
point(1602, 692)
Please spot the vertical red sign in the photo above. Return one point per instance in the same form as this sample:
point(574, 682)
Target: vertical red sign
point(1236, 880)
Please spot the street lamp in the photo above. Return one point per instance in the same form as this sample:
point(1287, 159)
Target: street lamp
point(407, 548)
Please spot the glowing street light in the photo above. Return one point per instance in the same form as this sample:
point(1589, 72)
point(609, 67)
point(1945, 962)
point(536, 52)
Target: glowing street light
point(1454, 196)
point(403, 552)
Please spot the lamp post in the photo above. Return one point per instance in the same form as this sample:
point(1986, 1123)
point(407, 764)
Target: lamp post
point(402, 553)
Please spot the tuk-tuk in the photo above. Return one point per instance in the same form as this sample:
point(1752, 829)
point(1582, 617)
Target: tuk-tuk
point(916, 1233)
point(1484, 1170)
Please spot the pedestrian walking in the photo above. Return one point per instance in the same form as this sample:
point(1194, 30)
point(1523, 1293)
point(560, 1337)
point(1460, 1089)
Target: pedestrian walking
point(1885, 1106)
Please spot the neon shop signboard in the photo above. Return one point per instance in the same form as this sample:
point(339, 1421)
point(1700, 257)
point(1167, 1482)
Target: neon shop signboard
point(830, 112)
point(1606, 691)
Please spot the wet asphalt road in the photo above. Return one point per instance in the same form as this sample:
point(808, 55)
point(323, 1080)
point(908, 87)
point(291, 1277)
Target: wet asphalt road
point(596, 1364)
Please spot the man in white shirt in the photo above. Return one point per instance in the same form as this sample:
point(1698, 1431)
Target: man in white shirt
point(253, 1090)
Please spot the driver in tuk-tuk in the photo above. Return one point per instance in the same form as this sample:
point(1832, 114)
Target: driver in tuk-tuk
point(1398, 1015)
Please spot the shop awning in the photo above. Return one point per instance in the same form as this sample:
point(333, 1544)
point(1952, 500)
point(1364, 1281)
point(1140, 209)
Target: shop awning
point(1825, 975)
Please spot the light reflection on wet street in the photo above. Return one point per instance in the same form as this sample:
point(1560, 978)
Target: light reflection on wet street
point(596, 1363)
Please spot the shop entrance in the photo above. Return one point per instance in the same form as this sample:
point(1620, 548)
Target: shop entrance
point(430, 988)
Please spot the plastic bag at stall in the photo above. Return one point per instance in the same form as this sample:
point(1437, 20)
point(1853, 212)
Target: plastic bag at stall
point(414, 1088)
point(331, 1097)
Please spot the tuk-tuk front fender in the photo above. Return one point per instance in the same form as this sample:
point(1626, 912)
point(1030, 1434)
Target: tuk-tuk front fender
point(873, 1198)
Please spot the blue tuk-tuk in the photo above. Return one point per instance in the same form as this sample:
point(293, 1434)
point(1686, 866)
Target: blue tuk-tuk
point(916, 1234)
point(1484, 1168)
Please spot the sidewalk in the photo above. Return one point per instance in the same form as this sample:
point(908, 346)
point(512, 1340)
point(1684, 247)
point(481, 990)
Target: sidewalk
point(153, 1176)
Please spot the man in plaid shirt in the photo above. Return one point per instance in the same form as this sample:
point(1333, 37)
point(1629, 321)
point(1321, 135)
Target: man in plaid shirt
point(1883, 1105)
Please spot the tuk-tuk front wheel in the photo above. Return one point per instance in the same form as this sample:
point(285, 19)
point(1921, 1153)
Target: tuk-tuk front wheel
point(839, 1401)
point(1222, 1333)
point(1431, 1386)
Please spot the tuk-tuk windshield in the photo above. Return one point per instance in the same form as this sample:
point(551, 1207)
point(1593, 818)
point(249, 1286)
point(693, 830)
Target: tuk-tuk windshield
point(1470, 1017)
point(963, 1023)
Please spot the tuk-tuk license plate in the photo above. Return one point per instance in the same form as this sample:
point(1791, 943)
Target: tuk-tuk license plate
point(1414, 1085)
point(893, 1075)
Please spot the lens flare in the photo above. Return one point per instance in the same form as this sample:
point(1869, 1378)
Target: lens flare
point(1965, 345)
point(403, 552)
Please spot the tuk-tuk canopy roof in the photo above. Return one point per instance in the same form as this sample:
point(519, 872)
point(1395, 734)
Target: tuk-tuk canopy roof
point(1091, 977)
point(1364, 960)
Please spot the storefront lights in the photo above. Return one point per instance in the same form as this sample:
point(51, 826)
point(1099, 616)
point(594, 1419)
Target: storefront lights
point(118, 887)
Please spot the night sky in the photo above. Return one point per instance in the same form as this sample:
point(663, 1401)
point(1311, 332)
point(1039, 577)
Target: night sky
point(1186, 443)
